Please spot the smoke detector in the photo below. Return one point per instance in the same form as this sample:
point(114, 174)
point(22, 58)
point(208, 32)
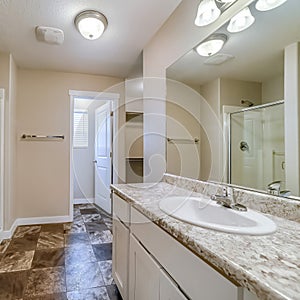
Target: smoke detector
point(49, 35)
point(218, 59)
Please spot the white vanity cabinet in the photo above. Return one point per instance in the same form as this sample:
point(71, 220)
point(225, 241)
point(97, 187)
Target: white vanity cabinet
point(160, 267)
point(147, 279)
point(120, 249)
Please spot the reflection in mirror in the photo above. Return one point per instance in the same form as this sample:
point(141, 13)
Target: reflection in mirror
point(256, 146)
point(249, 71)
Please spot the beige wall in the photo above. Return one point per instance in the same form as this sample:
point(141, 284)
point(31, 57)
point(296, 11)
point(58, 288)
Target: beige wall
point(183, 122)
point(43, 168)
point(8, 81)
point(232, 91)
point(273, 89)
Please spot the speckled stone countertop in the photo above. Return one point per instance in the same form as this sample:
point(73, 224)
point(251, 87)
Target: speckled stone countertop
point(268, 266)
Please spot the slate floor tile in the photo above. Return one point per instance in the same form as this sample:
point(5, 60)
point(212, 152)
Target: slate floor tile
point(58, 228)
point(99, 293)
point(57, 296)
point(50, 240)
point(26, 243)
point(79, 253)
point(48, 258)
point(106, 271)
point(12, 285)
point(46, 281)
point(89, 211)
point(76, 238)
point(91, 218)
point(67, 261)
point(101, 237)
point(21, 231)
point(4, 245)
point(103, 251)
point(95, 226)
point(113, 292)
point(83, 276)
point(16, 261)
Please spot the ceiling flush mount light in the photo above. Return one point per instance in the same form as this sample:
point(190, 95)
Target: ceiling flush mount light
point(91, 24)
point(264, 5)
point(212, 45)
point(241, 21)
point(207, 13)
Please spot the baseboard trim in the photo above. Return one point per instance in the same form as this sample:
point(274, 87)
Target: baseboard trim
point(84, 200)
point(7, 234)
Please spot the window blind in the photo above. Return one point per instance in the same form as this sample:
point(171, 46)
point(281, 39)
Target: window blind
point(81, 129)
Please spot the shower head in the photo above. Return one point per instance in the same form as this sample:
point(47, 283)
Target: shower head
point(247, 102)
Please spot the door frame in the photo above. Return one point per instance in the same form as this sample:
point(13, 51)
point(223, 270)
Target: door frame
point(114, 98)
point(2, 115)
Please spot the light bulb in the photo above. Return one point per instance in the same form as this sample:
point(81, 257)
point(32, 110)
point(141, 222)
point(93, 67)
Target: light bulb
point(207, 13)
point(241, 21)
point(264, 5)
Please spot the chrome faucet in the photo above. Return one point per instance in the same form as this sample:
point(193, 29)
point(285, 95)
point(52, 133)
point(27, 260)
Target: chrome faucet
point(274, 187)
point(227, 199)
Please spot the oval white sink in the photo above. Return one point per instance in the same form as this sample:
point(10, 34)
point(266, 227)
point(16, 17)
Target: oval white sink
point(207, 213)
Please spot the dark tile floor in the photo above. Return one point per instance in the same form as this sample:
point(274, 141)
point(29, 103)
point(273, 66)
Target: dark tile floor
point(70, 261)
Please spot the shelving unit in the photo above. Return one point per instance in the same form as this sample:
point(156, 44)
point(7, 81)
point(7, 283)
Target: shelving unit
point(134, 147)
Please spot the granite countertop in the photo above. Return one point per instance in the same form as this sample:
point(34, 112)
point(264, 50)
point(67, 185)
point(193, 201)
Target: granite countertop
point(268, 266)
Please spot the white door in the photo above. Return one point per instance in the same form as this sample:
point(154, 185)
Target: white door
point(103, 156)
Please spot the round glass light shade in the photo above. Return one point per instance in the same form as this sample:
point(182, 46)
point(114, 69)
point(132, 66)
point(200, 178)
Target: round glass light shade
point(91, 24)
point(264, 5)
point(207, 13)
point(211, 46)
point(241, 21)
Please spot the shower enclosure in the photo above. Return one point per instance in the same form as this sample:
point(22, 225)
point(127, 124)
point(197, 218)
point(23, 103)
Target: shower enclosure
point(256, 147)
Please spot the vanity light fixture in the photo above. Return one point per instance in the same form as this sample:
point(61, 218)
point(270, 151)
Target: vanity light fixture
point(225, 1)
point(241, 21)
point(207, 13)
point(264, 5)
point(91, 24)
point(212, 45)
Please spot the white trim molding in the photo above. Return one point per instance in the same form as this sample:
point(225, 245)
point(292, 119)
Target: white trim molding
point(83, 200)
point(7, 234)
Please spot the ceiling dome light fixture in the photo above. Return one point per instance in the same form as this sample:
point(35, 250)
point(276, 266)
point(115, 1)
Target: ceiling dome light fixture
point(212, 45)
point(264, 5)
point(91, 24)
point(207, 13)
point(241, 21)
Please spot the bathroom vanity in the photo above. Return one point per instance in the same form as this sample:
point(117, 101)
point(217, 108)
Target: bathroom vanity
point(156, 256)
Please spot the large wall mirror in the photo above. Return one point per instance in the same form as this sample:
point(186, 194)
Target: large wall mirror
point(244, 85)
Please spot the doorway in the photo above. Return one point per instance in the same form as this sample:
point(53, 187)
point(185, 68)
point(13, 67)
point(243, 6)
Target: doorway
point(94, 120)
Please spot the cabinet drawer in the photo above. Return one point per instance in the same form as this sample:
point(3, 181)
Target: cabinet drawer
point(195, 277)
point(121, 209)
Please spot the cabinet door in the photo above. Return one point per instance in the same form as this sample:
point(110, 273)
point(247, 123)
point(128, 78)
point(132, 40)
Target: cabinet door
point(168, 290)
point(144, 273)
point(120, 257)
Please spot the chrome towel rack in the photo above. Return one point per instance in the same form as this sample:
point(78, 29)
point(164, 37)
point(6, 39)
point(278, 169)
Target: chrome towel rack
point(34, 137)
point(195, 140)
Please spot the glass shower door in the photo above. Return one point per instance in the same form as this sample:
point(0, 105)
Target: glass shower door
point(257, 147)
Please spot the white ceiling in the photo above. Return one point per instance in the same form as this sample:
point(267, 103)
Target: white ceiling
point(131, 24)
point(258, 51)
